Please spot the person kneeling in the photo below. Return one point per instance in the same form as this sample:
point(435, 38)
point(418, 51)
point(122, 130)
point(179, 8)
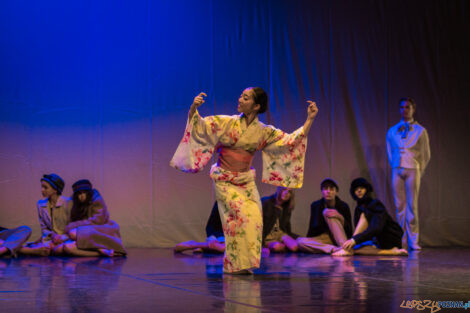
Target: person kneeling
point(277, 211)
point(91, 231)
point(373, 223)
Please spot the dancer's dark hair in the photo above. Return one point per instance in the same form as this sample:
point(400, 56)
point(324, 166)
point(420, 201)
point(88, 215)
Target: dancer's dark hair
point(261, 98)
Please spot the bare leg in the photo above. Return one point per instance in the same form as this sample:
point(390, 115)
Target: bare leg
point(360, 227)
point(337, 230)
point(71, 248)
point(290, 243)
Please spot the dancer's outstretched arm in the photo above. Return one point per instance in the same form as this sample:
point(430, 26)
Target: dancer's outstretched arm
point(312, 112)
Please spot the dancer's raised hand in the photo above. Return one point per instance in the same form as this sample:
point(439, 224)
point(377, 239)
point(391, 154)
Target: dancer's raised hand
point(199, 100)
point(312, 109)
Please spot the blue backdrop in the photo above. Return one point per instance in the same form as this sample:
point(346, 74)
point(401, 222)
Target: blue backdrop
point(101, 89)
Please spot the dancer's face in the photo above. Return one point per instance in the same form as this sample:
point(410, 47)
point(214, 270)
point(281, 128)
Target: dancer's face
point(329, 192)
point(46, 190)
point(246, 102)
point(360, 192)
point(406, 110)
point(82, 196)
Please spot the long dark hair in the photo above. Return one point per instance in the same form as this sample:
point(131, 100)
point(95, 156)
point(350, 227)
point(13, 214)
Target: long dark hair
point(80, 209)
point(289, 204)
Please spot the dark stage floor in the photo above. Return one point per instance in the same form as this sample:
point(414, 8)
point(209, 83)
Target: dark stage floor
point(156, 280)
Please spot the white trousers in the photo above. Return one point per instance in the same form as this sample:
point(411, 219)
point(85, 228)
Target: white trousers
point(406, 183)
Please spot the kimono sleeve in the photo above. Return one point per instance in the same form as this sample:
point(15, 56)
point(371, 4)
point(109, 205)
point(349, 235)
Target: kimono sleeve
point(200, 138)
point(284, 157)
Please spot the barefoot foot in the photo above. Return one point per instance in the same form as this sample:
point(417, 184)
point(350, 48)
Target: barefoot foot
point(216, 246)
point(183, 246)
point(342, 252)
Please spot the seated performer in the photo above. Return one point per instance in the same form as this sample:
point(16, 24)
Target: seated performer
point(215, 242)
point(277, 211)
point(91, 231)
point(376, 232)
point(11, 240)
point(54, 215)
point(330, 222)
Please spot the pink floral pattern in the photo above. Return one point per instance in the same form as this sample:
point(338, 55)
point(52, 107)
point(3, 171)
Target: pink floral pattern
point(242, 221)
point(283, 165)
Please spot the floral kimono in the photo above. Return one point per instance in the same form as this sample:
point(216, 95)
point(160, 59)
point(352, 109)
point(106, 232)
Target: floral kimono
point(234, 179)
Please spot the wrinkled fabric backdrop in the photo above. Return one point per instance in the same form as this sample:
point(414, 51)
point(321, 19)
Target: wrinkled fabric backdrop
point(101, 90)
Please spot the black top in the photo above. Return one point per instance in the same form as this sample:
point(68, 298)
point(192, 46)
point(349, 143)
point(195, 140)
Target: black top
point(318, 225)
point(214, 225)
point(271, 213)
point(382, 228)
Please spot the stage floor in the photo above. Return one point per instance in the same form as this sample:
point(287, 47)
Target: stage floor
point(156, 280)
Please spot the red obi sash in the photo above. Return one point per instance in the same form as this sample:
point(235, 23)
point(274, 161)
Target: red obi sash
point(235, 160)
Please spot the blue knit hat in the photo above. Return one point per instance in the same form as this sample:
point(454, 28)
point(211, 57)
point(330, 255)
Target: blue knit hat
point(55, 181)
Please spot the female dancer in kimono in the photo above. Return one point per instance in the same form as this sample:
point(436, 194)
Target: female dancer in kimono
point(91, 231)
point(236, 138)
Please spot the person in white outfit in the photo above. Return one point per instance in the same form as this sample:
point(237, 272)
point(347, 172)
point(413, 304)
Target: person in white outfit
point(409, 154)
